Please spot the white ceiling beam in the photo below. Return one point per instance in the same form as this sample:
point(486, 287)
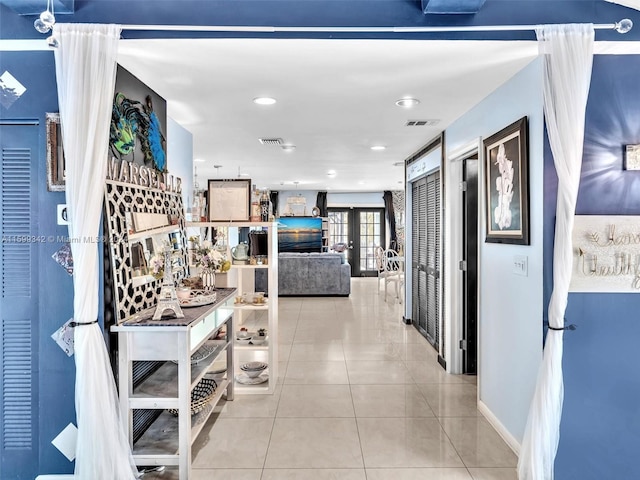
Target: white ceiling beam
point(635, 4)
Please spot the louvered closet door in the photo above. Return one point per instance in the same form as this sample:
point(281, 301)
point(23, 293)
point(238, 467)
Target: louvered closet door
point(425, 268)
point(18, 310)
point(419, 248)
point(433, 259)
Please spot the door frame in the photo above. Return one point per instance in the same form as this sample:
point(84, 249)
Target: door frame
point(422, 163)
point(454, 288)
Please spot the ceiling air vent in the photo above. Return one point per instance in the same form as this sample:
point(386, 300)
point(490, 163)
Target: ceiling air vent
point(271, 142)
point(421, 123)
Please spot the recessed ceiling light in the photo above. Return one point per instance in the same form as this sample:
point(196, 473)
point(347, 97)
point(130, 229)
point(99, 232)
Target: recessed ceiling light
point(264, 100)
point(407, 102)
point(243, 174)
point(331, 173)
point(288, 147)
point(378, 147)
point(198, 160)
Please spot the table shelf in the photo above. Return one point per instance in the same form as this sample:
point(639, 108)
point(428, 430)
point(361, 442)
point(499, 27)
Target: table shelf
point(243, 278)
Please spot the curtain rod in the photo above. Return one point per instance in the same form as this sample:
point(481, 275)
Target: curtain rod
point(623, 26)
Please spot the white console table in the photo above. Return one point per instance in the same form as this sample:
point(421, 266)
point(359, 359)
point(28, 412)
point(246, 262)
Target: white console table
point(167, 441)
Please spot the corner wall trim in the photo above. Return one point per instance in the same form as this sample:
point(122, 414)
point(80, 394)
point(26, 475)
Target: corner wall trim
point(499, 427)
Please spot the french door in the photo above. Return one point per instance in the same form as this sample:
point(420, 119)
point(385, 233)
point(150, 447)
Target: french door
point(361, 230)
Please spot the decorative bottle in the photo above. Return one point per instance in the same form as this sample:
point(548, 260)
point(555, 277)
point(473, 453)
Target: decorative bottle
point(255, 205)
point(265, 205)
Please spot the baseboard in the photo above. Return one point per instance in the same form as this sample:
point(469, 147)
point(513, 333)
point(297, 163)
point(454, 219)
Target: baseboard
point(502, 431)
point(55, 477)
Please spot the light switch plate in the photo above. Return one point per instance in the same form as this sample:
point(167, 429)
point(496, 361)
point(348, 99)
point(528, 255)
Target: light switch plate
point(520, 265)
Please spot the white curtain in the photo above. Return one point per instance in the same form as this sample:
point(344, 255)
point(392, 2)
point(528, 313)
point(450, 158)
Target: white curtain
point(568, 56)
point(85, 71)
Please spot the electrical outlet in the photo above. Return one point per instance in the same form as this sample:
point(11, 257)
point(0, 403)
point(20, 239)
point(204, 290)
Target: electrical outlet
point(521, 265)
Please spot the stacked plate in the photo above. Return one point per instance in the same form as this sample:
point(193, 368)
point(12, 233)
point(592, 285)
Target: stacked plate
point(253, 369)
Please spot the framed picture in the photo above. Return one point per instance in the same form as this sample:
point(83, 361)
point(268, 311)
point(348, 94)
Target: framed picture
point(507, 185)
point(229, 200)
point(55, 154)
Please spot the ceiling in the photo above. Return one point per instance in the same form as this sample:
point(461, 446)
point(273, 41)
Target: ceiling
point(335, 100)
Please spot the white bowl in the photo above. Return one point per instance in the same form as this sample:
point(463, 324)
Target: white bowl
point(243, 340)
point(253, 366)
point(252, 373)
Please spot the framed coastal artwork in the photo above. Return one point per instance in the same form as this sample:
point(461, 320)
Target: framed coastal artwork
point(506, 166)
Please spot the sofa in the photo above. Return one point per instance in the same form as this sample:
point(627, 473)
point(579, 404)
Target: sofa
point(309, 274)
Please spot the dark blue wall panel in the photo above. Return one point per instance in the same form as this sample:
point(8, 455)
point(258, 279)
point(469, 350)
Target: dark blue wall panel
point(600, 430)
point(388, 13)
point(56, 371)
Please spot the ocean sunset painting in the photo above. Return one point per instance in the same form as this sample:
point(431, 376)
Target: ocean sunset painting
point(299, 234)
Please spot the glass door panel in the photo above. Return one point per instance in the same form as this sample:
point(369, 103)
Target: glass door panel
point(357, 231)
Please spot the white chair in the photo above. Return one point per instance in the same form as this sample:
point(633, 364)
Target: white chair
point(393, 272)
point(379, 257)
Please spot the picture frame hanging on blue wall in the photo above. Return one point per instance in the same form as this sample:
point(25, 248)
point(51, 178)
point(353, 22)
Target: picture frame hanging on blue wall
point(55, 154)
point(506, 166)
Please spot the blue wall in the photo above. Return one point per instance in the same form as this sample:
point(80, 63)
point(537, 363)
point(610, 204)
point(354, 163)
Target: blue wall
point(601, 412)
point(600, 430)
point(55, 371)
point(509, 350)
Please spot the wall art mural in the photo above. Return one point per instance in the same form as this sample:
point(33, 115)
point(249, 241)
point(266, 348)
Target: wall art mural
point(138, 123)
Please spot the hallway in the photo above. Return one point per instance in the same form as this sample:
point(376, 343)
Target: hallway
point(361, 397)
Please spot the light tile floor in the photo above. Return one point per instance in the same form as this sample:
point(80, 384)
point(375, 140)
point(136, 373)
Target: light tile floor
point(360, 397)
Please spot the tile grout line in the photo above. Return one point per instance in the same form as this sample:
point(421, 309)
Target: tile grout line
point(275, 415)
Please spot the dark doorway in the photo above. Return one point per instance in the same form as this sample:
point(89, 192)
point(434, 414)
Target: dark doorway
point(470, 265)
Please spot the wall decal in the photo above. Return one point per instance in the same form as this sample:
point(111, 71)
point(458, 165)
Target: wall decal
point(10, 89)
point(64, 258)
point(606, 254)
point(64, 338)
point(66, 441)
